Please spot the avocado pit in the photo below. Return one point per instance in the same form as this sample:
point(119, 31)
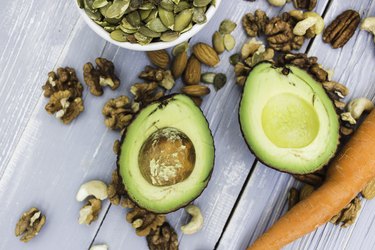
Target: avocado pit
point(167, 157)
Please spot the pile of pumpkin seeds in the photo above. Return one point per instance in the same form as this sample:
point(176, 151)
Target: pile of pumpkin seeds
point(146, 21)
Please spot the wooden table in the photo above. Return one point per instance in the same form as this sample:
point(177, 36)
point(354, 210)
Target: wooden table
point(43, 162)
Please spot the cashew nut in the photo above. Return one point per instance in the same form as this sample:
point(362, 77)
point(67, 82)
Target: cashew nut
point(196, 222)
point(95, 188)
point(347, 116)
point(99, 247)
point(357, 106)
point(277, 3)
point(311, 20)
point(368, 24)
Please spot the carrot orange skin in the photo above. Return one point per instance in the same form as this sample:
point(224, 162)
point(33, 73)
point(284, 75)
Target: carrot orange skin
point(348, 174)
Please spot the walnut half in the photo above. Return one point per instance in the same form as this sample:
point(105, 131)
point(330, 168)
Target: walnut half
point(163, 238)
point(30, 224)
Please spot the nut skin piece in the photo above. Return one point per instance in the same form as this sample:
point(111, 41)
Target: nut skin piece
point(159, 58)
point(254, 24)
point(102, 75)
point(118, 113)
point(163, 238)
point(63, 79)
point(179, 64)
point(192, 72)
point(206, 54)
point(341, 29)
point(143, 221)
point(30, 224)
point(305, 4)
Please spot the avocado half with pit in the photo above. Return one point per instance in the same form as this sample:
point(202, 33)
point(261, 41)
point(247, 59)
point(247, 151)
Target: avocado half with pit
point(287, 119)
point(167, 155)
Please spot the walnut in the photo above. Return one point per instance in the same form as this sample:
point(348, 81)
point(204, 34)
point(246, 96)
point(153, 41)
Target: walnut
point(319, 73)
point(64, 106)
point(369, 191)
point(315, 179)
point(116, 189)
point(118, 113)
point(347, 216)
point(64, 79)
point(254, 24)
point(90, 211)
point(144, 221)
point(101, 76)
point(305, 4)
point(145, 93)
point(163, 77)
point(341, 29)
point(116, 147)
point(163, 238)
point(30, 224)
point(280, 37)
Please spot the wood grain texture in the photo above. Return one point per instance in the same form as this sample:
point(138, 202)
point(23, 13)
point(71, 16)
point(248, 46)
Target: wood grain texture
point(43, 163)
point(353, 65)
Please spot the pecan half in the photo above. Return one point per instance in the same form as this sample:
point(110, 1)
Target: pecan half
point(305, 4)
point(341, 29)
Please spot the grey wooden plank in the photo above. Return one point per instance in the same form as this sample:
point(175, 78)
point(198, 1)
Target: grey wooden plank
point(51, 160)
point(353, 66)
point(233, 160)
point(32, 37)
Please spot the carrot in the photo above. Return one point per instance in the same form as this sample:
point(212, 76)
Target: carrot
point(348, 174)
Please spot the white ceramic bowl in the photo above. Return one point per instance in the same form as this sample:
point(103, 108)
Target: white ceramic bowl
point(154, 45)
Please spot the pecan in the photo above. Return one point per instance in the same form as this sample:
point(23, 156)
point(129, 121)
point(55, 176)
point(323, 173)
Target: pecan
point(254, 24)
point(305, 4)
point(341, 29)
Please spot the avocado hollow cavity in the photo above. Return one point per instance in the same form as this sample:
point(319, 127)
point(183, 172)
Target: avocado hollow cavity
point(287, 119)
point(167, 157)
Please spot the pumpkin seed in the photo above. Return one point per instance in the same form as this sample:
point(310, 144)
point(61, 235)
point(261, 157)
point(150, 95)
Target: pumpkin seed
point(182, 47)
point(183, 5)
point(80, 3)
point(149, 33)
point(147, 6)
point(97, 4)
point(102, 23)
point(104, 9)
point(169, 36)
point(126, 27)
point(229, 42)
point(183, 19)
point(134, 19)
point(218, 42)
point(96, 16)
point(156, 25)
point(135, 4)
point(189, 27)
point(88, 4)
point(167, 4)
point(234, 59)
point(199, 15)
point(117, 9)
point(153, 15)
point(142, 39)
point(227, 26)
point(208, 77)
point(144, 14)
point(109, 28)
point(220, 80)
point(118, 35)
point(176, 1)
point(201, 3)
point(166, 17)
point(113, 21)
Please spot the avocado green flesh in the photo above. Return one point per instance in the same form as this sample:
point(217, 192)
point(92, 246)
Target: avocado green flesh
point(178, 112)
point(288, 121)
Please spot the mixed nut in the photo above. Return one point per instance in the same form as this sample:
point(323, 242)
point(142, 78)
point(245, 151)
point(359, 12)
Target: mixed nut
point(147, 21)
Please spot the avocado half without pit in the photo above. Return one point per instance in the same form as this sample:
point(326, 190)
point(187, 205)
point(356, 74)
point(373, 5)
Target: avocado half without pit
point(287, 119)
point(167, 155)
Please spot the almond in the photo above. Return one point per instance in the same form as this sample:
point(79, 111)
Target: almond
point(159, 58)
point(196, 90)
point(192, 73)
point(179, 64)
point(206, 54)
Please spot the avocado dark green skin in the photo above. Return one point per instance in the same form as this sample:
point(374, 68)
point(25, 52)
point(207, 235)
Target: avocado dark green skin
point(163, 101)
point(249, 146)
